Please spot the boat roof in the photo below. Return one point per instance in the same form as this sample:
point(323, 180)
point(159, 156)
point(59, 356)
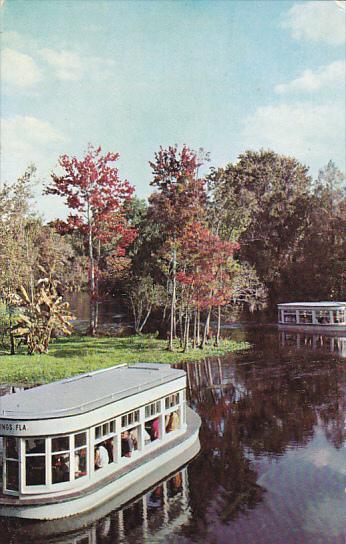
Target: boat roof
point(322, 304)
point(86, 392)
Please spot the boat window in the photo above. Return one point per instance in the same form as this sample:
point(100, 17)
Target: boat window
point(153, 408)
point(104, 453)
point(60, 468)
point(35, 461)
point(80, 455)
point(61, 443)
point(130, 418)
point(152, 430)
point(11, 463)
point(172, 400)
point(105, 429)
point(80, 440)
point(105, 450)
point(339, 316)
point(35, 445)
point(323, 317)
point(130, 441)
point(61, 459)
point(305, 316)
point(290, 316)
point(172, 421)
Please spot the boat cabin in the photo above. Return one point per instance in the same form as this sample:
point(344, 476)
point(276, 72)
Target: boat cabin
point(65, 436)
point(313, 314)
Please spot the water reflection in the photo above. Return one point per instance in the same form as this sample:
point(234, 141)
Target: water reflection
point(272, 440)
point(112, 317)
point(157, 513)
point(272, 468)
point(316, 342)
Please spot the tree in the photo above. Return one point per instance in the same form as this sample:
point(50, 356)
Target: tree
point(96, 197)
point(206, 270)
point(179, 199)
point(14, 242)
point(144, 296)
point(262, 201)
point(318, 270)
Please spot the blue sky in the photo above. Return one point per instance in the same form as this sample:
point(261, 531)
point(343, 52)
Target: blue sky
point(131, 76)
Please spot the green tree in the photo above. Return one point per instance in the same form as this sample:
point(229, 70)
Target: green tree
point(318, 270)
point(262, 201)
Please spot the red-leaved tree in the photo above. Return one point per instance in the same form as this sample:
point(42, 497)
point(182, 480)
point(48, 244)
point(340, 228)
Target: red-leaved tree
point(179, 199)
point(95, 196)
point(206, 274)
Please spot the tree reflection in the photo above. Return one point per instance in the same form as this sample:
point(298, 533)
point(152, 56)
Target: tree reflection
point(254, 407)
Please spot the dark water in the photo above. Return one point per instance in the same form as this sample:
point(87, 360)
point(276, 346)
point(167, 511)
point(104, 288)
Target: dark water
point(272, 467)
point(112, 314)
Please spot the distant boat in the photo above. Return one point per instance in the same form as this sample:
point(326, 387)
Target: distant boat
point(312, 316)
point(74, 444)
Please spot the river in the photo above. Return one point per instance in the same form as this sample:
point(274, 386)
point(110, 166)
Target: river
point(272, 466)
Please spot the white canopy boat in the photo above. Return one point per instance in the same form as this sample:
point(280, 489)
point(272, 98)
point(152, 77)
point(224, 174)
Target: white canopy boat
point(71, 445)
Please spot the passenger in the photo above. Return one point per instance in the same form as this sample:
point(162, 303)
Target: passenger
point(125, 444)
point(61, 472)
point(80, 463)
point(173, 422)
point(101, 457)
point(109, 445)
point(155, 429)
point(133, 438)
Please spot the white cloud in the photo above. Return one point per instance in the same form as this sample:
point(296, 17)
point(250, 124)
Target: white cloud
point(25, 133)
point(25, 140)
point(317, 21)
point(70, 66)
point(313, 133)
point(67, 65)
point(19, 70)
point(331, 76)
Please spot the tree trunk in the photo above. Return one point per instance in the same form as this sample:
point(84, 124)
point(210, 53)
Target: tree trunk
point(171, 332)
point(181, 327)
point(206, 329)
point(92, 324)
point(198, 339)
point(187, 332)
point(217, 339)
point(145, 320)
point(194, 329)
point(12, 341)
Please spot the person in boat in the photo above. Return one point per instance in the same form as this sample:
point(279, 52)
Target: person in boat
point(109, 447)
point(80, 463)
point(61, 472)
point(172, 422)
point(125, 444)
point(101, 457)
point(133, 437)
point(155, 429)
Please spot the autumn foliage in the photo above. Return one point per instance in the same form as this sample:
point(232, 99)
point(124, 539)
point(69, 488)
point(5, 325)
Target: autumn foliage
point(95, 196)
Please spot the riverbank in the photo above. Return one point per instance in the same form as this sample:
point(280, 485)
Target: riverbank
point(77, 354)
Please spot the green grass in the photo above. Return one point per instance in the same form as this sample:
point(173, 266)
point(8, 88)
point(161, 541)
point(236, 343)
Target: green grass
point(78, 354)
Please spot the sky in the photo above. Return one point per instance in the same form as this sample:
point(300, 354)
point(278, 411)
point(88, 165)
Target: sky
point(133, 75)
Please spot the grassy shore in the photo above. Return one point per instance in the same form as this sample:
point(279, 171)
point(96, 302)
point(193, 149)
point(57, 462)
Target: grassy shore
point(78, 354)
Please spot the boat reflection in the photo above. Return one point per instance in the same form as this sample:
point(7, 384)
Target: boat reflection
point(160, 511)
point(335, 344)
